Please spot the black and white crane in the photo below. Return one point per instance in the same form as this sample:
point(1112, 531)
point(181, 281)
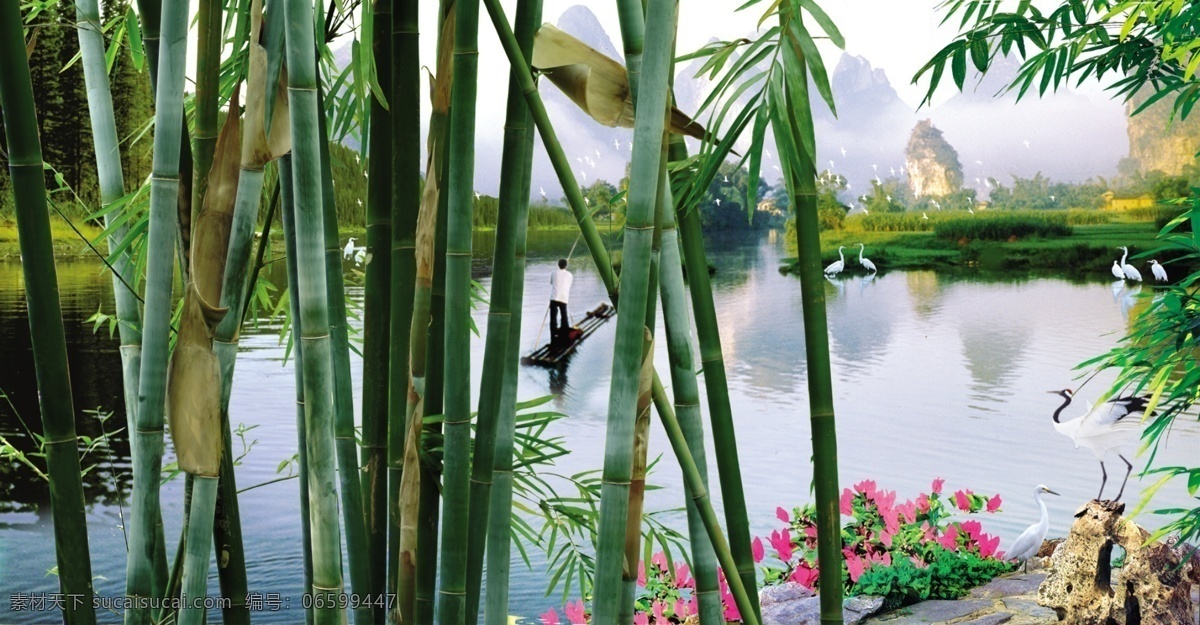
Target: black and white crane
point(1110, 426)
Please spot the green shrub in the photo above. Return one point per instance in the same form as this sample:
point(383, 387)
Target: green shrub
point(948, 576)
point(1167, 214)
point(1152, 213)
point(1004, 226)
point(1082, 217)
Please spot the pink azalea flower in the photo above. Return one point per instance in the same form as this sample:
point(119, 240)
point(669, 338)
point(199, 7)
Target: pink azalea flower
point(856, 566)
point(575, 613)
point(682, 609)
point(949, 540)
point(550, 617)
point(782, 515)
point(909, 510)
point(973, 529)
point(756, 548)
point(891, 520)
point(659, 618)
point(660, 560)
point(641, 618)
point(782, 542)
point(923, 503)
point(886, 499)
point(805, 576)
point(929, 532)
point(683, 577)
point(810, 531)
point(886, 537)
point(1000, 555)
point(988, 545)
point(917, 562)
point(993, 504)
point(962, 499)
point(937, 486)
point(641, 580)
point(847, 502)
point(731, 611)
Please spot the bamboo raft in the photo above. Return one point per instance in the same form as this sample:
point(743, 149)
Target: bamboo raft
point(551, 355)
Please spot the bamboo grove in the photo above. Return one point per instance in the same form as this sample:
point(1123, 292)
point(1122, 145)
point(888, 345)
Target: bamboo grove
point(422, 504)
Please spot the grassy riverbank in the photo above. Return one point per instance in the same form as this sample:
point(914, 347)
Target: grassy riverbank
point(1089, 250)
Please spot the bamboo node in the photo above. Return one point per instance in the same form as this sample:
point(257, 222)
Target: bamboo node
point(629, 227)
point(163, 178)
point(315, 338)
point(616, 483)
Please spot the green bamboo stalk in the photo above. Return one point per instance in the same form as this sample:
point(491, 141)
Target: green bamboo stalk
point(145, 514)
point(111, 181)
point(405, 205)
point(377, 310)
point(344, 436)
point(729, 472)
point(687, 407)
point(637, 481)
point(288, 212)
point(195, 563)
point(702, 502)
point(45, 321)
point(651, 110)
point(451, 608)
point(314, 313)
point(498, 359)
point(208, 77)
point(516, 196)
point(802, 186)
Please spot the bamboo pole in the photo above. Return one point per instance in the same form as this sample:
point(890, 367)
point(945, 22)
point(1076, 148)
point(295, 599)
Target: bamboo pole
point(405, 206)
point(163, 230)
point(712, 361)
point(451, 609)
point(377, 309)
point(345, 444)
point(497, 357)
point(803, 189)
point(687, 406)
point(314, 314)
point(208, 78)
point(288, 213)
point(45, 321)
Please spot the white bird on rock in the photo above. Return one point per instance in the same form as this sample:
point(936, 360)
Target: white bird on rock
point(1110, 426)
point(1030, 541)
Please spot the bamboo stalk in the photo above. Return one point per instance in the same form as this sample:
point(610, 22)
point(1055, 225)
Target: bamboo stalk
point(687, 407)
point(377, 310)
point(703, 503)
point(198, 551)
point(405, 206)
point(803, 189)
point(288, 212)
point(499, 361)
point(45, 321)
point(408, 293)
point(637, 482)
point(344, 436)
point(144, 550)
point(451, 608)
point(631, 316)
point(729, 472)
point(208, 77)
point(314, 314)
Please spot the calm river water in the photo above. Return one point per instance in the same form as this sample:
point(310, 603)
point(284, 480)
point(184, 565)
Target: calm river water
point(936, 375)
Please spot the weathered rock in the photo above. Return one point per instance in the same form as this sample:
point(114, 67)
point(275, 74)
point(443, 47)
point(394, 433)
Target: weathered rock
point(793, 604)
point(932, 163)
point(1029, 607)
point(937, 611)
point(1080, 585)
point(1018, 584)
point(994, 618)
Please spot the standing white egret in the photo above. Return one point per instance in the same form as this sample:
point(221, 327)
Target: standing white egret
point(348, 251)
point(1110, 426)
point(1116, 271)
point(836, 267)
point(865, 262)
point(1160, 274)
point(1030, 541)
point(1131, 272)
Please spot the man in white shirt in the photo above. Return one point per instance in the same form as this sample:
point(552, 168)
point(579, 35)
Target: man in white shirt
point(560, 291)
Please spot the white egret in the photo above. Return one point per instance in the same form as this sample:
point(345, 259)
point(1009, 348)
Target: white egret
point(875, 166)
point(616, 144)
point(865, 211)
point(831, 164)
point(924, 216)
point(1027, 144)
point(348, 251)
point(969, 210)
point(889, 198)
point(1131, 272)
point(727, 178)
point(543, 192)
point(865, 262)
point(978, 162)
point(1116, 271)
point(1030, 541)
point(477, 195)
point(893, 169)
point(718, 201)
point(1110, 426)
point(1160, 274)
point(843, 151)
point(597, 153)
point(836, 267)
